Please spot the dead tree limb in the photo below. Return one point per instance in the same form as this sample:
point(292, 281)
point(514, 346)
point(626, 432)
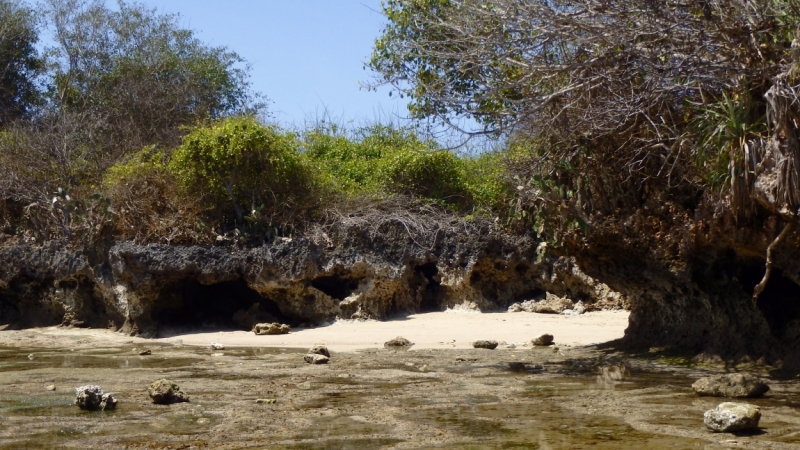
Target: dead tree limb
point(763, 284)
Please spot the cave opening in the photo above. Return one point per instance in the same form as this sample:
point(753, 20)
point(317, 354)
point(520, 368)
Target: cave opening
point(529, 294)
point(779, 302)
point(227, 305)
point(335, 286)
point(9, 312)
point(431, 288)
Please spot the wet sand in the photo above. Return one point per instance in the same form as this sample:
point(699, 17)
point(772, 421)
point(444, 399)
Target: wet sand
point(558, 397)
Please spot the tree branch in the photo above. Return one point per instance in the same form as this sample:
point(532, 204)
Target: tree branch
point(763, 284)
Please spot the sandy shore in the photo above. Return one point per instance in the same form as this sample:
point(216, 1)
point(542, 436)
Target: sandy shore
point(438, 330)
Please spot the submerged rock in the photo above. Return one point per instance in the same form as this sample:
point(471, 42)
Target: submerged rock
point(490, 345)
point(314, 358)
point(271, 328)
point(92, 398)
point(166, 392)
point(731, 385)
point(543, 340)
point(319, 349)
point(398, 343)
point(317, 354)
point(730, 416)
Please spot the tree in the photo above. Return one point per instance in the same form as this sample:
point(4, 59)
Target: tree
point(20, 64)
point(118, 81)
point(604, 94)
point(147, 75)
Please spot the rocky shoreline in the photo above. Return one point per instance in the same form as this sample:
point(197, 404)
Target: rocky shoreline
point(701, 304)
point(137, 288)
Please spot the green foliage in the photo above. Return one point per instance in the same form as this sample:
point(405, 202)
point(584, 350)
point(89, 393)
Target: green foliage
point(140, 72)
point(385, 161)
point(486, 178)
point(722, 129)
point(148, 161)
point(20, 65)
point(241, 161)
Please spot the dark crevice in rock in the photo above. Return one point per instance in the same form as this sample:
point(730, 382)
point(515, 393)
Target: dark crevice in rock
point(779, 302)
point(335, 286)
point(9, 312)
point(226, 305)
point(430, 291)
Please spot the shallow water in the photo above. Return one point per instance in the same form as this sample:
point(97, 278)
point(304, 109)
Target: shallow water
point(377, 400)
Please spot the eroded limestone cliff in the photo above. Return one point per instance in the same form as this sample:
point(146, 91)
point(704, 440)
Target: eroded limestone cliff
point(364, 274)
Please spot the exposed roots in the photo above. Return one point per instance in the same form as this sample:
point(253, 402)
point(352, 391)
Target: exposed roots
point(760, 286)
point(424, 222)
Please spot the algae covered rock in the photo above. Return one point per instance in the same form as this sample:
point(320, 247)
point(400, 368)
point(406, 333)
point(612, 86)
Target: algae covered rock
point(166, 392)
point(319, 349)
point(317, 354)
point(489, 345)
point(314, 358)
point(737, 385)
point(398, 343)
point(92, 398)
point(271, 328)
point(729, 416)
point(542, 340)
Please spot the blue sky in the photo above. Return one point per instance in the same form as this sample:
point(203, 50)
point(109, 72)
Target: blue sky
point(307, 56)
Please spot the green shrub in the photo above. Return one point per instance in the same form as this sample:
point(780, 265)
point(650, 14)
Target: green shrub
point(486, 179)
point(383, 161)
point(149, 205)
point(244, 164)
point(437, 175)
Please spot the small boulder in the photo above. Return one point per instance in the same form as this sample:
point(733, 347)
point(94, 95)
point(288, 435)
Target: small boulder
point(728, 417)
point(92, 398)
point(489, 345)
point(314, 358)
point(543, 340)
point(51, 387)
point(271, 328)
point(516, 307)
point(166, 392)
point(398, 343)
point(319, 349)
point(552, 304)
point(738, 385)
point(217, 346)
point(145, 352)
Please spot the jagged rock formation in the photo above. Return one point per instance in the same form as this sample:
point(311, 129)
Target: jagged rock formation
point(137, 288)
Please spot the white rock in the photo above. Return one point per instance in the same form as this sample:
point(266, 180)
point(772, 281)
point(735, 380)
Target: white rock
point(217, 346)
point(729, 416)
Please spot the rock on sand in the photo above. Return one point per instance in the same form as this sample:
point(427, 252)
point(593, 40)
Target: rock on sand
point(490, 345)
point(92, 398)
point(398, 343)
point(166, 392)
point(271, 328)
point(542, 340)
point(728, 416)
point(731, 385)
